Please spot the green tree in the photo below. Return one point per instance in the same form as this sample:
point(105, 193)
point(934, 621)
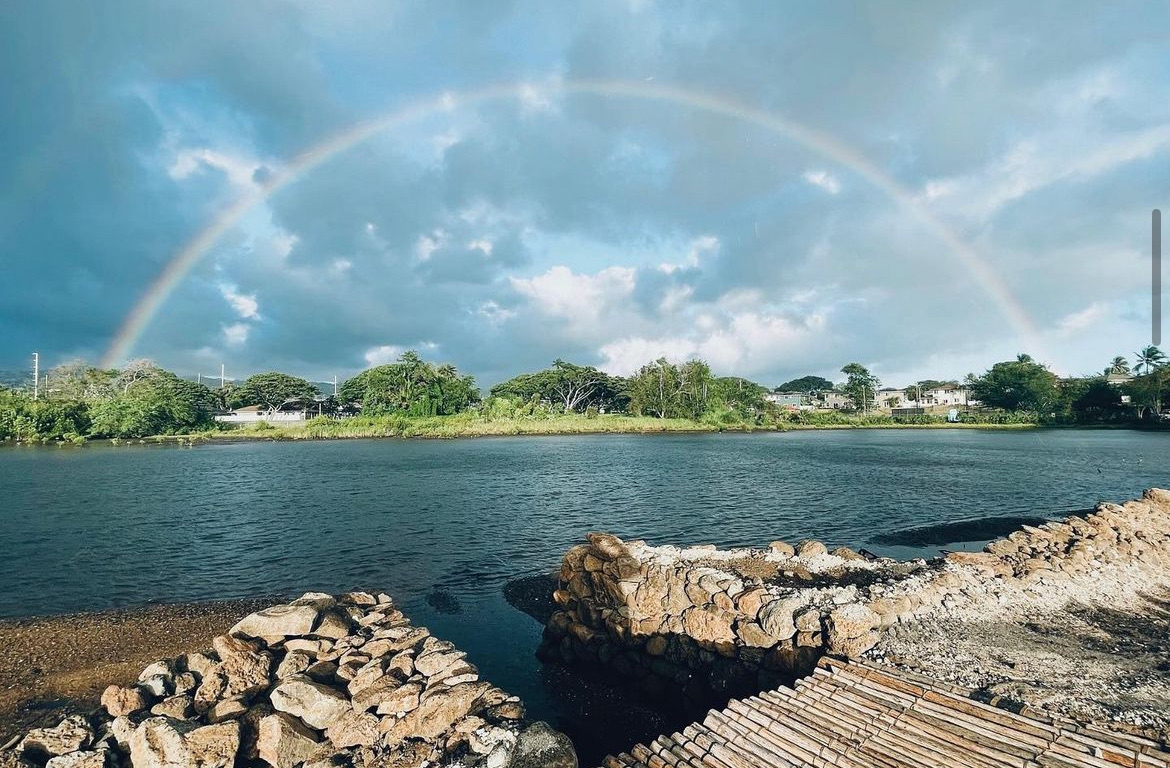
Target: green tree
point(860, 386)
point(1094, 400)
point(411, 386)
point(1149, 359)
point(573, 387)
point(806, 385)
point(272, 390)
point(654, 390)
point(1016, 385)
point(153, 402)
point(1148, 392)
point(1119, 366)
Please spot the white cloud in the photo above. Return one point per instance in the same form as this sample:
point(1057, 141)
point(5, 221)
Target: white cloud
point(824, 180)
point(245, 304)
point(699, 247)
point(240, 171)
point(482, 245)
point(387, 353)
point(1084, 319)
point(494, 313)
point(1068, 153)
point(747, 343)
point(236, 334)
point(428, 244)
point(580, 299)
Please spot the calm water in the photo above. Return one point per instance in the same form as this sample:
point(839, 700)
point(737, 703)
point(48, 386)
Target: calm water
point(101, 526)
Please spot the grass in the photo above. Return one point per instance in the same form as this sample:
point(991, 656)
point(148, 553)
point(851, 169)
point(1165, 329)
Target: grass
point(474, 425)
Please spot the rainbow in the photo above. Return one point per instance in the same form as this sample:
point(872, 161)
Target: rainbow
point(139, 318)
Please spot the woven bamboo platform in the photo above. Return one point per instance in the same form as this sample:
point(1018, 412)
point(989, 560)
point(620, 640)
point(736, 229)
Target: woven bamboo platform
point(853, 715)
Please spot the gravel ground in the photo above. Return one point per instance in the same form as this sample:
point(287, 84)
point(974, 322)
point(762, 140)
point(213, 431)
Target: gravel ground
point(59, 665)
point(1105, 663)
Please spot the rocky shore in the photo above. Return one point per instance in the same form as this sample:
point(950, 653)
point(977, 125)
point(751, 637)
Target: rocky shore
point(744, 620)
point(322, 681)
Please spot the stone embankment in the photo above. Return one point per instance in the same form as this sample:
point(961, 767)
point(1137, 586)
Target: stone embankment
point(322, 682)
point(758, 617)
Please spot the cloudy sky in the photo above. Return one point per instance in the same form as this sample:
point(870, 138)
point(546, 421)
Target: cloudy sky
point(779, 188)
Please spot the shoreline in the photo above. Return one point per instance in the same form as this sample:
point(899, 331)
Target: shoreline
point(522, 429)
point(58, 664)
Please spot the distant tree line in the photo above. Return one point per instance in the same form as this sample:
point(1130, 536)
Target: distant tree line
point(79, 401)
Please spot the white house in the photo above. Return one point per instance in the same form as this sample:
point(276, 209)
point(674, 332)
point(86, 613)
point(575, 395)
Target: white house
point(890, 397)
point(250, 414)
point(946, 395)
point(835, 401)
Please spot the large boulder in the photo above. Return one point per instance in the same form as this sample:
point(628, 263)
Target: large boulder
point(119, 700)
point(284, 742)
point(277, 622)
point(776, 617)
point(71, 734)
point(437, 711)
point(539, 746)
point(318, 705)
point(163, 742)
point(81, 759)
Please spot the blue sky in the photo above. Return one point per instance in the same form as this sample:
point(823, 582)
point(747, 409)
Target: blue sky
point(606, 229)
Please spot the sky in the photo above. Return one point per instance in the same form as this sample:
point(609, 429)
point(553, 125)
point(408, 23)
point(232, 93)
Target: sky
point(778, 188)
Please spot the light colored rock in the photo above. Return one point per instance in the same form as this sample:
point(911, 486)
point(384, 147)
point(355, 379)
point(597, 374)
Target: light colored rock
point(228, 709)
point(782, 548)
point(120, 700)
point(375, 693)
point(850, 621)
point(708, 626)
point(401, 700)
point(277, 621)
point(284, 742)
point(82, 759)
point(71, 734)
point(199, 663)
point(293, 663)
point(776, 617)
point(162, 742)
point(317, 705)
point(437, 712)
point(185, 682)
point(431, 664)
point(333, 625)
point(158, 686)
point(178, 707)
point(246, 670)
point(808, 620)
point(811, 548)
point(354, 729)
point(606, 545)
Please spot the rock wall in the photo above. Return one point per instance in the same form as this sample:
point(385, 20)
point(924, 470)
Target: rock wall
point(322, 682)
point(719, 618)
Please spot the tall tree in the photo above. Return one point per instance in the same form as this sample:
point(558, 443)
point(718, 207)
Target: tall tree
point(654, 390)
point(1149, 359)
point(806, 385)
point(273, 390)
point(1016, 385)
point(412, 386)
point(860, 385)
point(1119, 365)
point(573, 387)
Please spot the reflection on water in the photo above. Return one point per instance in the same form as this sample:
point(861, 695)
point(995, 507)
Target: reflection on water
point(443, 526)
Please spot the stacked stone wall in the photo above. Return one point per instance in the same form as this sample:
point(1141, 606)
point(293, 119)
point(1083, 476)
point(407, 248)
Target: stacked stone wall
point(712, 617)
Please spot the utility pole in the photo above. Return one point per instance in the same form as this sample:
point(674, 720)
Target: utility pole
point(335, 385)
point(36, 375)
point(222, 380)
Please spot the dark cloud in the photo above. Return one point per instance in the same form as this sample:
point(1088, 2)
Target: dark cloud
point(599, 228)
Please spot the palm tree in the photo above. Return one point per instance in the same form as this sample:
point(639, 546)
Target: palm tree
point(1149, 359)
point(1119, 366)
